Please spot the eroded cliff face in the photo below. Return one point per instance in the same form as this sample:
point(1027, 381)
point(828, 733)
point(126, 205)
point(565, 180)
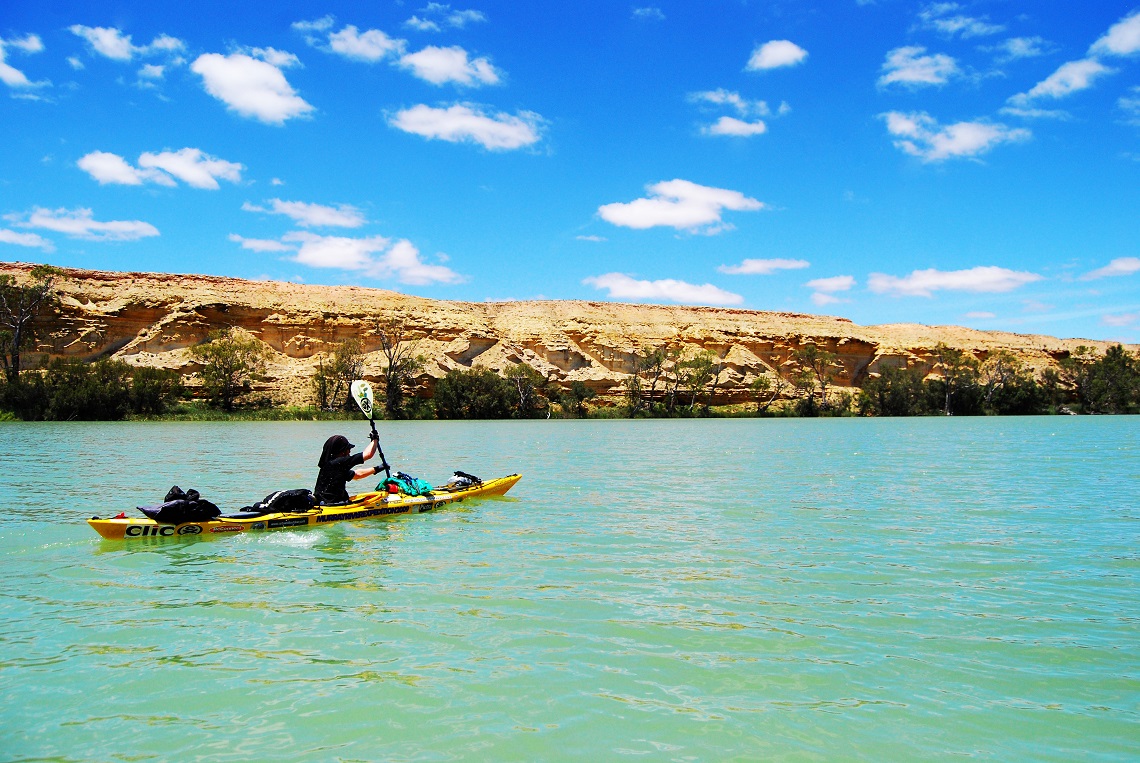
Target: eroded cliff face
point(151, 319)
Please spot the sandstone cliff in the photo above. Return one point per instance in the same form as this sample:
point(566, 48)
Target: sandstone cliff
point(151, 319)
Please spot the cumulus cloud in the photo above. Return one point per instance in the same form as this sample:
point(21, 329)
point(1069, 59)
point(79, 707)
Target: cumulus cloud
point(32, 240)
point(190, 165)
point(736, 127)
point(152, 71)
point(763, 267)
point(112, 169)
point(193, 167)
point(923, 283)
point(919, 134)
point(374, 256)
point(464, 123)
point(744, 107)
point(371, 45)
point(312, 215)
point(439, 65)
point(1121, 39)
point(1069, 78)
point(260, 244)
point(622, 286)
point(908, 66)
point(282, 59)
point(679, 204)
point(824, 289)
point(250, 87)
point(81, 223)
point(648, 14)
point(1130, 105)
point(948, 19)
point(110, 42)
point(1121, 320)
point(775, 54)
point(438, 15)
point(1121, 266)
point(1016, 48)
point(11, 76)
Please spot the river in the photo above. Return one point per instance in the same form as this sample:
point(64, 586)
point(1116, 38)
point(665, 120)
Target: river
point(784, 589)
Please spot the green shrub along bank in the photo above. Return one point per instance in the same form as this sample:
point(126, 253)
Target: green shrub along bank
point(106, 390)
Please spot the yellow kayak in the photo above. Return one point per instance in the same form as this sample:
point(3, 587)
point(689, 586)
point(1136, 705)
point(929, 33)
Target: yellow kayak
point(363, 506)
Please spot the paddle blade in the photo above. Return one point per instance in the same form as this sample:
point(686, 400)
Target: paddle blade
point(362, 394)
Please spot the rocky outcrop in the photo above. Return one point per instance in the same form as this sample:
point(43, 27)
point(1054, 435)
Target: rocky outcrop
point(151, 319)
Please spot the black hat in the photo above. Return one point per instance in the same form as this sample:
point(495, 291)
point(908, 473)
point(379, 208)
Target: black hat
point(335, 445)
point(338, 443)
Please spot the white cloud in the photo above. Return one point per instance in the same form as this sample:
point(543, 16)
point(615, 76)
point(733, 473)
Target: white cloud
point(439, 65)
point(250, 87)
point(594, 239)
point(937, 16)
point(1069, 78)
point(1121, 266)
point(81, 223)
point(75, 63)
point(460, 19)
point(152, 71)
point(422, 25)
point(312, 215)
point(722, 97)
point(1121, 320)
point(25, 239)
point(109, 42)
point(736, 127)
point(923, 283)
point(1122, 38)
point(193, 167)
point(464, 123)
point(621, 286)
point(775, 54)
point(1033, 113)
point(1130, 105)
point(1016, 48)
point(833, 284)
point(260, 244)
point(919, 134)
point(11, 76)
point(908, 66)
point(824, 289)
point(190, 165)
point(375, 256)
point(763, 267)
point(456, 19)
point(282, 59)
point(112, 169)
point(370, 46)
point(112, 43)
point(648, 14)
point(322, 24)
point(980, 315)
point(679, 204)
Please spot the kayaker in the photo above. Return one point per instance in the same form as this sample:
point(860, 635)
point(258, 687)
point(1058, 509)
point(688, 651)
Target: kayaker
point(339, 466)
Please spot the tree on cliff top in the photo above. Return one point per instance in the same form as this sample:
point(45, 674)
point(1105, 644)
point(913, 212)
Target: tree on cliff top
point(20, 307)
point(402, 364)
point(231, 363)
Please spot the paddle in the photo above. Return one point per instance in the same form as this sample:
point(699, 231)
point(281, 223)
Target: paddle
point(362, 394)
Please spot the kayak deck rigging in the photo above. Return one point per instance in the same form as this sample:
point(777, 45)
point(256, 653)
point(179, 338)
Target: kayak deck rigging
point(363, 506)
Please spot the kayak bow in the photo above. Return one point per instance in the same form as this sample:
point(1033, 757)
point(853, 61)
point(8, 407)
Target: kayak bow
point(363, 506)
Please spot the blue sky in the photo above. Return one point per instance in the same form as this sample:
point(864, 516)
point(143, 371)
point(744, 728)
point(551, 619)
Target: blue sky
point(969, 163)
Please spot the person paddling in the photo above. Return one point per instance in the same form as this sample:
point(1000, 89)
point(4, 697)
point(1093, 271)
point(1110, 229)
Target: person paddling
point(339, 466)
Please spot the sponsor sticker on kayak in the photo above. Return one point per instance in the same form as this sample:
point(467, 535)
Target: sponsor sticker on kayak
point(227, 529)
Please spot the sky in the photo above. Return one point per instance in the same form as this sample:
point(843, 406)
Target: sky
point(963, 163)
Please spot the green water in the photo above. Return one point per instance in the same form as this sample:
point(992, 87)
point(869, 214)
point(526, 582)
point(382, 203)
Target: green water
point(927, 589)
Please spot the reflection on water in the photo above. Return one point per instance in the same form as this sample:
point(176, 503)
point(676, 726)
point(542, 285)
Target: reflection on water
point(867, 589)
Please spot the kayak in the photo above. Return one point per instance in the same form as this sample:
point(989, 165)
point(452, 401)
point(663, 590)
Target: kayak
point(363, 506)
